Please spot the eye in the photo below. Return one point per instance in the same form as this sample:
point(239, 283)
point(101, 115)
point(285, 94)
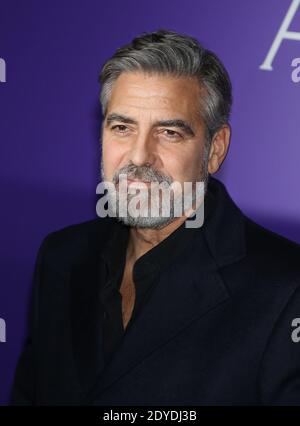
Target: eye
point(119, 128)
point(172, 134)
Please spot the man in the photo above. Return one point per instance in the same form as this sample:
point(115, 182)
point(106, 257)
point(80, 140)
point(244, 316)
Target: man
point(146, 310)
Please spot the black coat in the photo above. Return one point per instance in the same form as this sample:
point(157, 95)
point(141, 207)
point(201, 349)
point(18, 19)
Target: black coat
point(216, 330)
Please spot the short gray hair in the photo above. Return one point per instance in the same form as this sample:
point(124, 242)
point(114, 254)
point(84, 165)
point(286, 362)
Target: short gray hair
point(167, 52)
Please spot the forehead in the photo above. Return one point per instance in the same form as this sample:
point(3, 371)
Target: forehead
point(140, 93)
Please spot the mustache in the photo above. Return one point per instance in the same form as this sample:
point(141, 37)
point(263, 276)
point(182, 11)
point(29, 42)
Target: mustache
point(145, 173)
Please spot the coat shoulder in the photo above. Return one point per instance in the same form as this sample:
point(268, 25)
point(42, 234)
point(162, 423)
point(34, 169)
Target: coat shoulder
point(272, 251)
point(74, 243)
point(263, 238)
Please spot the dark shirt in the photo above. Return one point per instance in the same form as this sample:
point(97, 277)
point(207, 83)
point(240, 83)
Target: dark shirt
point(146, 271)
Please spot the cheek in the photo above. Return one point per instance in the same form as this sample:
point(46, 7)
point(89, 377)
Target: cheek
point(111, 159)
point(183, 167)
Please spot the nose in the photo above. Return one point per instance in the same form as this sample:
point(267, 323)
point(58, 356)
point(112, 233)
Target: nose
point(142, 151)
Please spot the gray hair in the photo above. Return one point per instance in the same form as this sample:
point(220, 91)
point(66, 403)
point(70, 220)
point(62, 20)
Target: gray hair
point(167, 52)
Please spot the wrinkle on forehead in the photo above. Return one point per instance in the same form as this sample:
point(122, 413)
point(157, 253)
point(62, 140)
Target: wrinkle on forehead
point(142, 92)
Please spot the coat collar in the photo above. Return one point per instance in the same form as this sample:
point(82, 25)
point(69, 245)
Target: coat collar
point(195, 284)
point(224, 227)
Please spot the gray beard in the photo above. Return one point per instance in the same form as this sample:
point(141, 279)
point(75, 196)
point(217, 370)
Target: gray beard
point(148, 221)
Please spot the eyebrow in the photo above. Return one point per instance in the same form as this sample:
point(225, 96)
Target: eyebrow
point(176, 122)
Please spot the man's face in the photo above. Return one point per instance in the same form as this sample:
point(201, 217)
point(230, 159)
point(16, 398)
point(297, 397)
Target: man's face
point(153, 126)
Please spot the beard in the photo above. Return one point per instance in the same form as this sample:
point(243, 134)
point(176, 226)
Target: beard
point(137, 210)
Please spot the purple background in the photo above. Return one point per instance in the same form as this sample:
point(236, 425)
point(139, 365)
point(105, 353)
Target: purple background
point(50, 121)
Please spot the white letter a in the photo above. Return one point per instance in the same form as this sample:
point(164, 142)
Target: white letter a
point(282, 34)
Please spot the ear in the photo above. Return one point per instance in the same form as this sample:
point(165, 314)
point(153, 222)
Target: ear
point(219, 148)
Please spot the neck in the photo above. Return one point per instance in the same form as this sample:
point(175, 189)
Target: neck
point(142, 240)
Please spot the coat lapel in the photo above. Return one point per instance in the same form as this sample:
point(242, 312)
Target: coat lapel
point(86, 329)
point(86, 313)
